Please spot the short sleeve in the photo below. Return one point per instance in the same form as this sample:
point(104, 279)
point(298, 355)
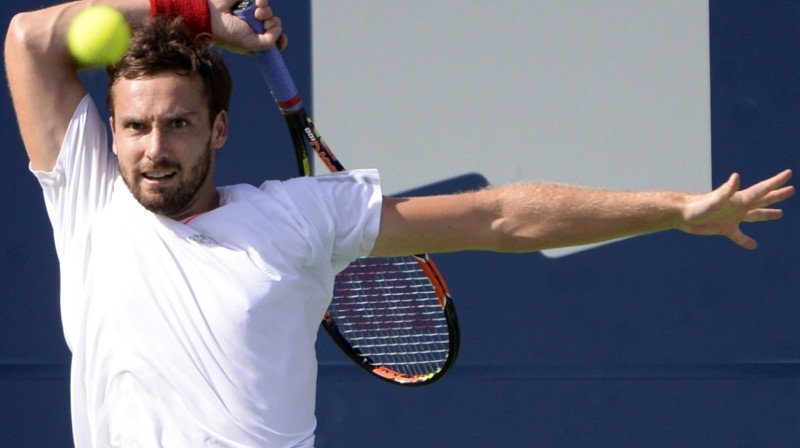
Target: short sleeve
point(345, 208)
point(81, 182)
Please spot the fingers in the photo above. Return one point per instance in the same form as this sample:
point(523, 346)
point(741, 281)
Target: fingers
point(760, 196)
point(729, 188)
point(240, 35)
point(236, 35)
point(283, 42)
point(727, 207)
point(743, 240)
point(771, 188)
point(763, 214)
point(273, 26)
point(776, 196)
point(263, 12)
point(733, 183)
point(783, 176)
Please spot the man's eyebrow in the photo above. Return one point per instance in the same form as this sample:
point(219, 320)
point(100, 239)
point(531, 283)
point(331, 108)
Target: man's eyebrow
point(161, 118)
point(175, 115)
point(127, 119)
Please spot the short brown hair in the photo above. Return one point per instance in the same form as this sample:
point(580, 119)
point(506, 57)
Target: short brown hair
point(165, 45)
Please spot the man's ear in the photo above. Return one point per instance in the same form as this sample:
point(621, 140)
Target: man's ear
point(113, 135)
point(219, 130)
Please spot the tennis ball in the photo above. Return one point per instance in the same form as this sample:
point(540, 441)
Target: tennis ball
point(98, 35)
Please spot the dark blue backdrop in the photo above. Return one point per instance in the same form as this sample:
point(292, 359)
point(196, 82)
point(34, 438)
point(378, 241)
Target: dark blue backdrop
point(661, 341)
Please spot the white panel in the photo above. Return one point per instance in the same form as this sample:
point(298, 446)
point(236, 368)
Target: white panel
point(604, 93)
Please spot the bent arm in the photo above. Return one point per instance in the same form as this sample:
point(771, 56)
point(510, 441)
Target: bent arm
point(43, 77)
point(533, 217)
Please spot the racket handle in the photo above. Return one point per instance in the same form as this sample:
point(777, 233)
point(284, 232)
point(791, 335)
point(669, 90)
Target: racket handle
point(272, 65)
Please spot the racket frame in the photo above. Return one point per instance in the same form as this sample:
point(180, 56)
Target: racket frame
point(304, 134)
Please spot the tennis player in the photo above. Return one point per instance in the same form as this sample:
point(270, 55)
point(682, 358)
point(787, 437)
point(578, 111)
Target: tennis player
point(191, 310)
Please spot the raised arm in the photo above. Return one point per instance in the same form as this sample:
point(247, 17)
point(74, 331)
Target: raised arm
point(43, 78)
point(532, 217)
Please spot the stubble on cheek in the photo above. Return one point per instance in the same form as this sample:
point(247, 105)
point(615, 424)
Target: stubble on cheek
point(171, 199)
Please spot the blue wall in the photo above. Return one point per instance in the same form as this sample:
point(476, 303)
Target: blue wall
point(660, 341)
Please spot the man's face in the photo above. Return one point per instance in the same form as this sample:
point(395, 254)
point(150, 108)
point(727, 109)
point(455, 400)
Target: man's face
point(166, 145)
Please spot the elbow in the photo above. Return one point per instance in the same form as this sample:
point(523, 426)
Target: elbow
point(511, 238)
point(23, 39)
point(16, 35)
point(34, 34)
point(21, 31)
point(504, 231)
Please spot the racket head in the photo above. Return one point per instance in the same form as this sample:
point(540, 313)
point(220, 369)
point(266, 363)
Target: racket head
point(394, 318)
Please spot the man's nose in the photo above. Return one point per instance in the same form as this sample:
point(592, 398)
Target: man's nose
point(156, 147)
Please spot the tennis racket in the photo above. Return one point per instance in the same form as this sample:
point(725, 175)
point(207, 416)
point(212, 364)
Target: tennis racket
point(393, 316)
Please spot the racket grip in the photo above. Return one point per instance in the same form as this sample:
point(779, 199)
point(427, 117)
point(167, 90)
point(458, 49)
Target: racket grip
point(272, 66)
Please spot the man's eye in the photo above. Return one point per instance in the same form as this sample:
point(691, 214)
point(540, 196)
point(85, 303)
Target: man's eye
point(179, 123)
point(134, 126)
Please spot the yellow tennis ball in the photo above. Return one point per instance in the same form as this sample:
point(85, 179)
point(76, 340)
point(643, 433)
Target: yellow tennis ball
point(98, 35)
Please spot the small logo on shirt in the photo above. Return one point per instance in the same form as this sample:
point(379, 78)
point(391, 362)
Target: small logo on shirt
point(205, 240)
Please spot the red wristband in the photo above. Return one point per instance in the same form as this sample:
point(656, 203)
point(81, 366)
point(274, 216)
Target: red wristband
point(195, 13)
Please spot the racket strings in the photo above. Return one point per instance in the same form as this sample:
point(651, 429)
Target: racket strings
point(389, 311)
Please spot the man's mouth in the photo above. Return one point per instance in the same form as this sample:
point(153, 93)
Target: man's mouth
point(159, 176)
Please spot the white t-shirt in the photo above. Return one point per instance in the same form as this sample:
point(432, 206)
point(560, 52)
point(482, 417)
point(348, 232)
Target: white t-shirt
point(198, 334)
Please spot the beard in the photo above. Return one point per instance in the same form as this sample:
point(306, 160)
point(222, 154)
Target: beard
point(173, 199)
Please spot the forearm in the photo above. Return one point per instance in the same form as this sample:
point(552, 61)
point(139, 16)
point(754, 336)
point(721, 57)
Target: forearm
point(542, 216)
point(522, 218)
point(42, 33)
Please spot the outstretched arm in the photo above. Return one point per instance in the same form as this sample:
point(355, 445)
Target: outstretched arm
point(532, 217)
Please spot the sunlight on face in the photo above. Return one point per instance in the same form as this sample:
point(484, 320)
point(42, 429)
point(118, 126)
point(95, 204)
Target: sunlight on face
point(165, 143)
